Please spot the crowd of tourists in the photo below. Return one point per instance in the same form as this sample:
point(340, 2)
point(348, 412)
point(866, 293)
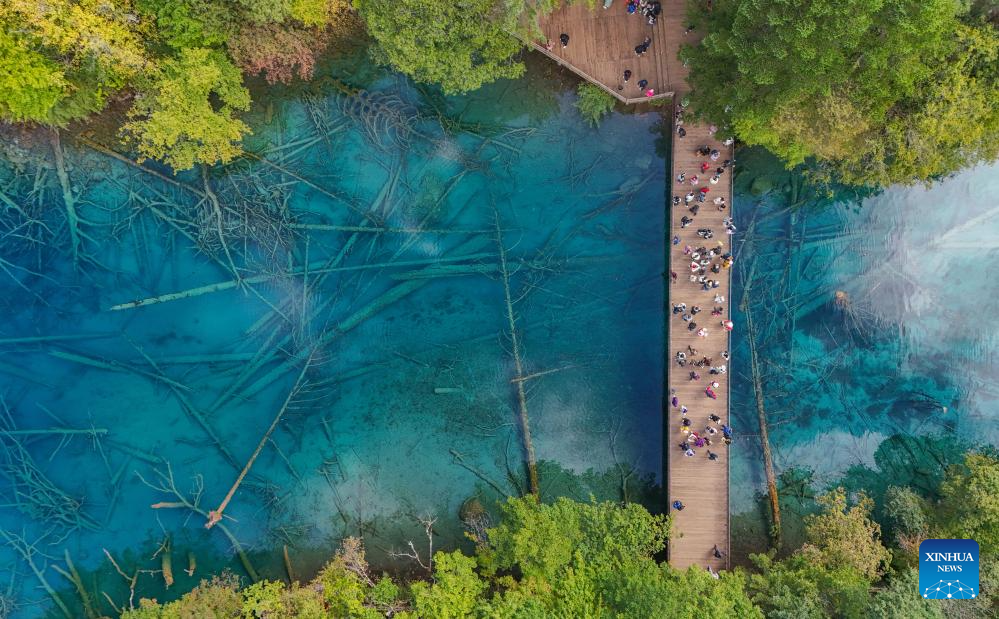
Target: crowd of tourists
point(697, 426)
point(650, 10)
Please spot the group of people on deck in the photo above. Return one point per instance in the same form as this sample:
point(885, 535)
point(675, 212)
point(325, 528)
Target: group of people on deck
point(698, 432)
point(650, 9)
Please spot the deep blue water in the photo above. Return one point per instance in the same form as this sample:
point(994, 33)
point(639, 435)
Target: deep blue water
point(388, 337)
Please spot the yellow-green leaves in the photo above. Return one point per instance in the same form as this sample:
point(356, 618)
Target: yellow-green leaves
point(458, 46)
point(30, 84)
point(187, 114)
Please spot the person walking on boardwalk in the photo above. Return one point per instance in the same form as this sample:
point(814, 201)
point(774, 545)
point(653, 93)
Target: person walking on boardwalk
point(708, 391)
point(678, 505)
point(564, 38)
point(717, 553)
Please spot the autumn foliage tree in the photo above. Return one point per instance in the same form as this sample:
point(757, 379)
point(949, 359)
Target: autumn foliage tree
point(187, 113)
point(176, 60)
point(278, 53)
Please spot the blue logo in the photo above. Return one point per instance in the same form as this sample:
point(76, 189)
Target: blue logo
point(948, 569)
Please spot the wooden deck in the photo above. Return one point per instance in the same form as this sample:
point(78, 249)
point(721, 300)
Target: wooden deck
point(699, 483)
point(602, 45)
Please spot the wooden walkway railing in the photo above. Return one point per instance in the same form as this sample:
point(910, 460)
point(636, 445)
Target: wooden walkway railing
point(589, 78)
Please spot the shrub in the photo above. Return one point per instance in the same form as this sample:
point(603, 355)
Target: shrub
point(593, 103)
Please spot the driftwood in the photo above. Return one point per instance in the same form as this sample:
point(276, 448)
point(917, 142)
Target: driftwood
point(131, 580)
point(28, 552)
point(287, 565)
point(385, 230)
point(55, 431)
point(73, 576)
point(315, 269)
point(72, 218)
point(122, 158)
point(376, 305)
point(215, 515)
point(518, 380)
point(167, 485)
point(53, 338)
point(768, 463)
point(33, 493)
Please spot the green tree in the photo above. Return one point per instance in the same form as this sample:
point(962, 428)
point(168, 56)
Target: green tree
point(459, 46)
point(218, 597)
point(844, 535)
point(593, 103)
point(541, 540)
point(875, 91)
point(187, 114)
point(799, 587)
point(970, 504)
point(190, 23)
point(905, 512)
point(87, 49)
point(30, 83)
point(901, 600)
point(566, 559)
point(455, 591)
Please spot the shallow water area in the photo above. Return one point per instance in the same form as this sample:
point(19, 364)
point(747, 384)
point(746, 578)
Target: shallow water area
point(876, 321)
point(360, 278)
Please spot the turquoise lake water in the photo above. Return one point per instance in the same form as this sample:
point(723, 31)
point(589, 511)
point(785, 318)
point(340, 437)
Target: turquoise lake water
point(893, 381)
point(367, 253)
point(390, 341)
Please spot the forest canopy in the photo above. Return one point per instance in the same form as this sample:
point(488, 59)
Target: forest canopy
point(873, 92)
point(578, 559)
point(867, 92)
point(177, 64)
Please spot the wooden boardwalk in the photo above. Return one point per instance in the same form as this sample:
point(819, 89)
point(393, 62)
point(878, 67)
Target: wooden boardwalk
point(602, 45)
point(700, 483)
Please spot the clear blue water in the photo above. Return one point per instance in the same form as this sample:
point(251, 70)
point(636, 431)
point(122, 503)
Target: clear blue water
point(406, 408)
point(895, 380)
